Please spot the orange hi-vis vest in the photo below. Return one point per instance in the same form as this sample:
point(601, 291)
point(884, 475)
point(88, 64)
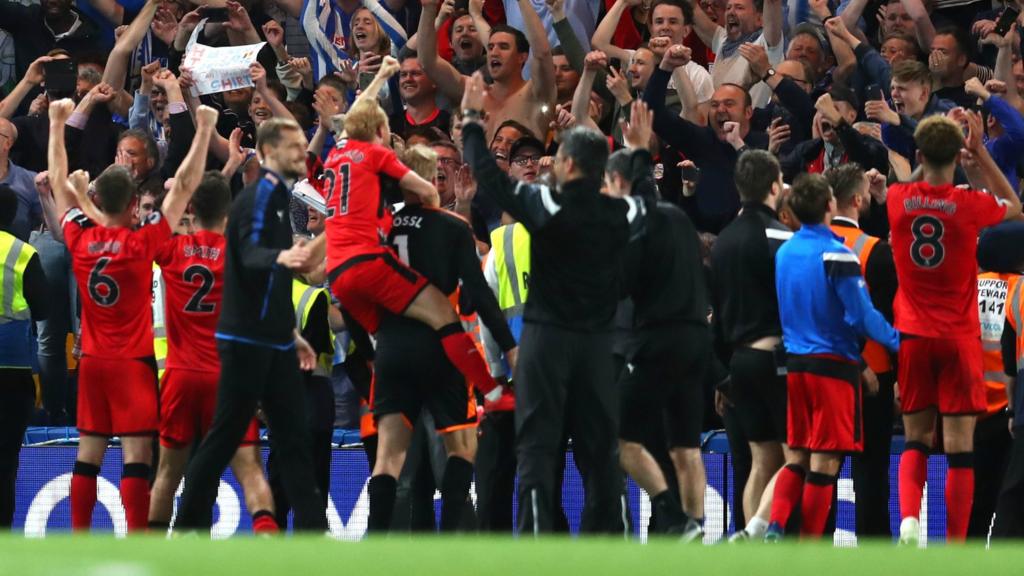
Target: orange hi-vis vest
point(862, 244)
point(994, 291)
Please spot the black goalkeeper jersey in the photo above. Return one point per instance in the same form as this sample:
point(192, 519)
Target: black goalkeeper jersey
point(440, 246)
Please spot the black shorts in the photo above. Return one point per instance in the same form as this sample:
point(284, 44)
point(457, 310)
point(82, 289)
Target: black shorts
point(666, 377)
point(412, 373)
point(758, 393)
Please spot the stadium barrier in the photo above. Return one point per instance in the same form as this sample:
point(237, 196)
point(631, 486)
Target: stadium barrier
point(44, 480)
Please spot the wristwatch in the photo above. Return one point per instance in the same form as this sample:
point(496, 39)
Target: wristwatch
point(768, 74)
point(472, 115)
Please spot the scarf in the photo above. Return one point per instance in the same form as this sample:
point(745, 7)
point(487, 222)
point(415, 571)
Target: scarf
point(729, 47)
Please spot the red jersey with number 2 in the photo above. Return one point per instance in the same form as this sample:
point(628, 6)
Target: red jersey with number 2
point(934, 242)
point(114, 271)
point(192, 268)
point(358, 218)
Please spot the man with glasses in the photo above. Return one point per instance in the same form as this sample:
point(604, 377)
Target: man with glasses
point(524, 159)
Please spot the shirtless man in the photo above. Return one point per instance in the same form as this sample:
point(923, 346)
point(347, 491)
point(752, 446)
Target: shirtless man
point(531, 102)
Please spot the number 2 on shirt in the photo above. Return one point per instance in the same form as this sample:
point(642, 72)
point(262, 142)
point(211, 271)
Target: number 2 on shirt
point(332, 179)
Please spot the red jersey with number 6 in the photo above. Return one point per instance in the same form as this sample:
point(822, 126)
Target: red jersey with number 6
point(114, 270)
point(358, 218)
point(934, 242)
point(192, 268)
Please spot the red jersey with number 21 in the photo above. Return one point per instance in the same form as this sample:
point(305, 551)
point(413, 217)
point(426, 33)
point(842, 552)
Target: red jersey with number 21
point(192, 268)
point(114, 271)
point(358, 218)
point(934, 242)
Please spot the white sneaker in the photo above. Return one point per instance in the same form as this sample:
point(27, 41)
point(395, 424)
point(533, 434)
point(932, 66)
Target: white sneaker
point(910, 531)
point(692, 533)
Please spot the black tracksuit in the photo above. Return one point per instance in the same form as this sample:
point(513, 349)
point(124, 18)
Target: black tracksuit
point(258, 360)
point(565, 368)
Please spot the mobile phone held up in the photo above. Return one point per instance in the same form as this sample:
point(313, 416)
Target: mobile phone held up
point(1006, 19)
point(873, 92)
point(61, 78)
point(214, 14)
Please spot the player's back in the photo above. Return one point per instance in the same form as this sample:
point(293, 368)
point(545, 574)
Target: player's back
point(358, 217)
point(430, 241)
point(113, 269)
point(192, 268)
point(934, 238)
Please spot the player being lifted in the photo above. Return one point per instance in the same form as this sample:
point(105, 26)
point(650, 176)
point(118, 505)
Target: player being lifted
point(113, 267)
point(364, 273)
point(935, 229)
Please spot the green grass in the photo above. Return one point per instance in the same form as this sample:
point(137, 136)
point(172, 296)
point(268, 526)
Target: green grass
point(470, 556)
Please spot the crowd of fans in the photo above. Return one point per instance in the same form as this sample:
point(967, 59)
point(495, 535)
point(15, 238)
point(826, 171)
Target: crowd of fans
point(817, 84)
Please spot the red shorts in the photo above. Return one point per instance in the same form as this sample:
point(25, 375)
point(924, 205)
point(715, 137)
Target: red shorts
point(944, 373)
point(117, 397)
point(187, 402)
point(364, 284)
point(824, 399)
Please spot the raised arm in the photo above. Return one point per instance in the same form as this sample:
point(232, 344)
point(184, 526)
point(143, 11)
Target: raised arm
point(581, 97)
point(772, 19)
point(1004, 63)
point(110, 9)
point(704, 26)
point(57, 156)
point(116, 70)
point(259, 80)
point(240, 29)
point(476, 12)
point(846, 61)
point(33, 77)
point(190, 173)
point(851, 14)
point(447, 78)
point(686, 136)
point(542, 67)
point(602, 39)
point(986, 171)
point(923, 27)
point(676, 58)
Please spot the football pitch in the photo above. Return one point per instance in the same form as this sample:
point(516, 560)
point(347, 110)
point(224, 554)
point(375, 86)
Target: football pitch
point(459, 556)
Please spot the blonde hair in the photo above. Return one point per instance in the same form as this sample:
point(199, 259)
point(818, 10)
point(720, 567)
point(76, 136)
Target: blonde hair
point(421, 160)
point(364, 120)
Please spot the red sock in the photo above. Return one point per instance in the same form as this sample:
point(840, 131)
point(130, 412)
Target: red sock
point(959, 495)
point(83, 495)
point(817, 500)
point(263, 523)
point(789, 485)
point(913, 473)
point(135, 496)
point(459, 348)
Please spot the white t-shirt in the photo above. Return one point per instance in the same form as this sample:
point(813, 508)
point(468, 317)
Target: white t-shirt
point(736, 69)
point(699, 77)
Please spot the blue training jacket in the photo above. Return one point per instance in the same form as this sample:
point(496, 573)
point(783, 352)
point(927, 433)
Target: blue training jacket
point(823, 301)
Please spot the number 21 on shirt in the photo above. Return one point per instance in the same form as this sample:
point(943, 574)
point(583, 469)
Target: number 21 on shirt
point(335, 187)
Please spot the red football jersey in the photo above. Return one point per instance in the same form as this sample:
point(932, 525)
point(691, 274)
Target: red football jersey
point(358, 218)
point(934, 242)
point(114, 270)
point(192, 268)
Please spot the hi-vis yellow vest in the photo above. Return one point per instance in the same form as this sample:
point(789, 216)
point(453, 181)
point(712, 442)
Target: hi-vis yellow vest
point(14, 258)
point(15, 316)
point(510, 248)
point(303, 298)
point(159, 328)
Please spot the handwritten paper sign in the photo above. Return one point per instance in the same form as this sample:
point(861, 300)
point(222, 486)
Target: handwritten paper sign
point(220, 69)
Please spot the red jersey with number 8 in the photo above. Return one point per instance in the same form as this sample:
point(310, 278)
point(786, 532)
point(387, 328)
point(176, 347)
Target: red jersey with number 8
point(192, 268)
point(358, 218)
point(934, 242)
point(113, 267)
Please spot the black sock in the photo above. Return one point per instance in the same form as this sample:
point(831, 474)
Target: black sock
point(381, 490)
point(668, 511)
point(160, 526)
point(458, 474)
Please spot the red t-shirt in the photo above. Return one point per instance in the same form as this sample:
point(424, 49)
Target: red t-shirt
point(192, 268)
point(358, 218)
point(114, 270)
point(934, 242)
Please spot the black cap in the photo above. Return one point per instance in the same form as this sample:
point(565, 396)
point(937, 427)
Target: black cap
point(525, 142)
